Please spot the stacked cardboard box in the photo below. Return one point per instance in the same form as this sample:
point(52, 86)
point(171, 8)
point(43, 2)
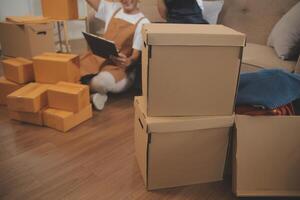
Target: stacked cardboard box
point(60, 9)
point(68, 106)
point(27, 103)
point(54, 67)
point(182, 122)
point(17, 72)
point(26, 37)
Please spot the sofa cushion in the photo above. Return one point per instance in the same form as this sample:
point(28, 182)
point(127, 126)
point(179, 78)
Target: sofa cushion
point(261, 56)
point(285, 36)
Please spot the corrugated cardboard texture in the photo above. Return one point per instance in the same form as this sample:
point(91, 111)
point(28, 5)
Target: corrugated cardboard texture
point(19, 70)
point(52, 68)
point(64, 120)
point(266, 157)
point(32, 118)
point(30, 98)
point(187, 77)
point(180, 157)
point(60, 9)
point(26, 40)
point(192, 35)
point(68, 96)
point(7, 87)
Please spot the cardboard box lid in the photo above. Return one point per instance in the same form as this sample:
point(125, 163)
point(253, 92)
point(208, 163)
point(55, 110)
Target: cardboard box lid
point(19, 61)
point(28, 19)
point(177, 124)
point(56, 57)
point(71, 88)
point(192, 35)
point(30, 91)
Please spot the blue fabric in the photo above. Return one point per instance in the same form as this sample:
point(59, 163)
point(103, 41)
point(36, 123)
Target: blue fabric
point(269, 88)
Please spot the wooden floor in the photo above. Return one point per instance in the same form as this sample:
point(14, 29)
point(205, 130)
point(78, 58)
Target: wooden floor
point(94, 161)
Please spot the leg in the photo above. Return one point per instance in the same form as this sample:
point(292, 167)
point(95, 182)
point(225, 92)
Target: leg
point(105, 82)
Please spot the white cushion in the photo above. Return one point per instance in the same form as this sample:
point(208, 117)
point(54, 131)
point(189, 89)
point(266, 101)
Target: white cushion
point(212, 10)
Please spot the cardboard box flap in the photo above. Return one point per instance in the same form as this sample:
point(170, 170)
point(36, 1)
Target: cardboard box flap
point(59, 113)
point(71, 88)
point(192, 35)
point(27, 19)
point(56, 57)
point(177, 124)
point(31, 91)
point(17, 61)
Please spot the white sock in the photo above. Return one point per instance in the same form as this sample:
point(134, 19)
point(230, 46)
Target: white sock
point(99, 100)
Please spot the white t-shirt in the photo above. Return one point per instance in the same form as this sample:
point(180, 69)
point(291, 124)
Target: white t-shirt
point(107, 9)
point(200, 4)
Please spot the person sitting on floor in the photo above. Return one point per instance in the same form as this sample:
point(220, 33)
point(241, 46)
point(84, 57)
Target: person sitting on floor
point(182, 12)
point(123, 25)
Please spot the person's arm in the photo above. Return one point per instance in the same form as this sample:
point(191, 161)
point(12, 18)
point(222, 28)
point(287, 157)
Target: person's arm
point(94, 4)
point(124, 61)
point(162, 8)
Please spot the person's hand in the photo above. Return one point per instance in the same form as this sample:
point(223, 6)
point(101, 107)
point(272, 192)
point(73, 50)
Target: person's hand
point(121, 60)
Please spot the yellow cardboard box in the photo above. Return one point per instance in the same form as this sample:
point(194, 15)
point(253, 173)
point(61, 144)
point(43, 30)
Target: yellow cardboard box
point(60, 9)
point(55, 67)
point(7, 87)
point(32, 118)
point(30, 98)
point(177, 151)
point(68, 96)
point(65, 120)
point(19, 70)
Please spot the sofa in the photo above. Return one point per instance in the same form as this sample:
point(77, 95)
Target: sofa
point(255, 18)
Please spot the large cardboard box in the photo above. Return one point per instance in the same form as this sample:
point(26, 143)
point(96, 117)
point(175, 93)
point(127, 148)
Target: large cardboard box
point(7, 87)
point(68, 96)
point(180, 150)
point(30, 98)
point(190, 70)
point(26, 40)
point(65, 120)
point(19, 70)
point(32, 118)
point(55, 67)
point(60, 9)
point(267, 156)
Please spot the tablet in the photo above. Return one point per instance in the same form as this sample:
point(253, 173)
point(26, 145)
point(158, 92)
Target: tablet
point(101, 46)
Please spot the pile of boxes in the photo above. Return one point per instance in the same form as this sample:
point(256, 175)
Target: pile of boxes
point(185, 117)
point(55, 100)
point(183, 120)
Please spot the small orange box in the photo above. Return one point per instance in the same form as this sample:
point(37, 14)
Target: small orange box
point(7, 87)
point(19, 70)
point(30, 98)
point(55, 67)
point(65, 120)
point(60, 9)
point(32, 118)
point(68, 96)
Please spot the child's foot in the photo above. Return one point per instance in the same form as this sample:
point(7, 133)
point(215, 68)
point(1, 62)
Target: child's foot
point(99, 100)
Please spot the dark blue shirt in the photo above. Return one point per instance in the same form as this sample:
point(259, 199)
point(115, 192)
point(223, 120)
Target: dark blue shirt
point(184, 11)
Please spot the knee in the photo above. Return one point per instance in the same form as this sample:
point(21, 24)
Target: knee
point(102, 83)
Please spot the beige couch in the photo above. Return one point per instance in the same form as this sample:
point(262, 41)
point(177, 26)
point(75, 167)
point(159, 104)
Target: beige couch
point(256, 18)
